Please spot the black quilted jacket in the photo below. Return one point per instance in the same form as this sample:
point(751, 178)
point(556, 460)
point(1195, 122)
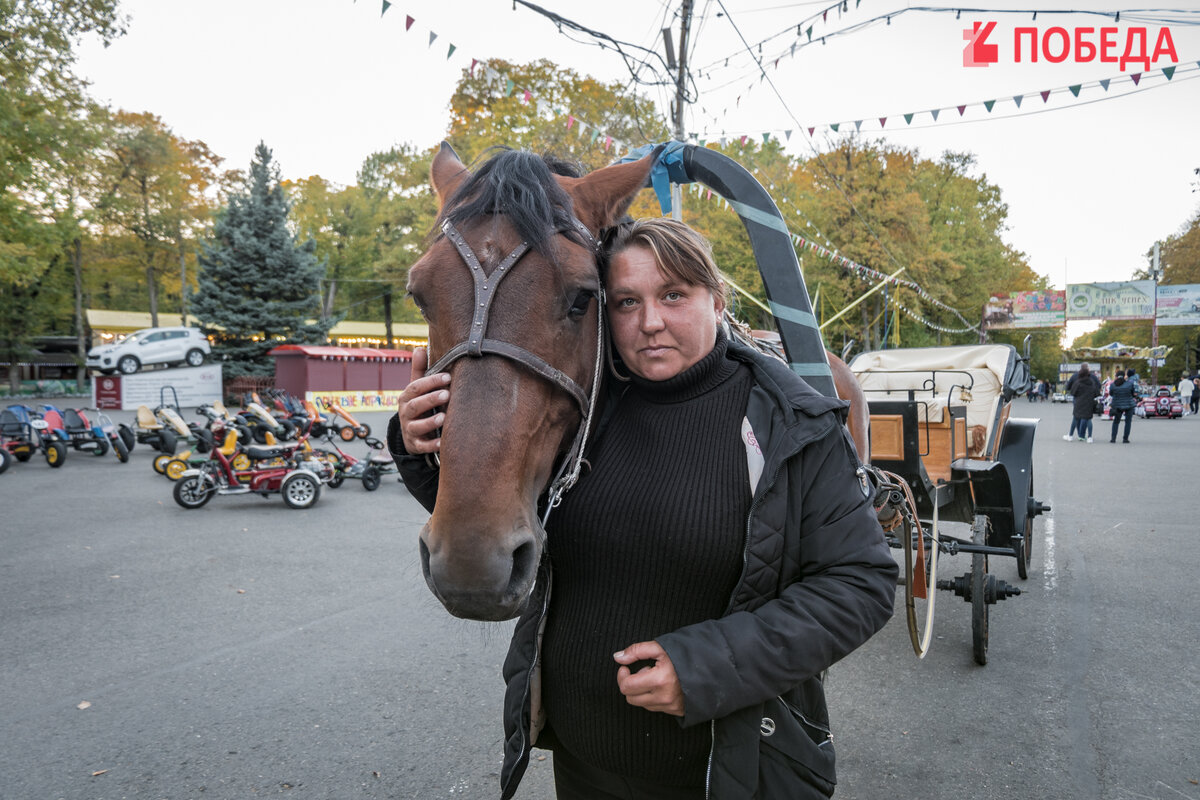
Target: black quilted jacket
point(817, 581)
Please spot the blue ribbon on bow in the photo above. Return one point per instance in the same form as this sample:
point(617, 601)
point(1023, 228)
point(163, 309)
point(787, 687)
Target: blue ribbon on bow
point(667, 169)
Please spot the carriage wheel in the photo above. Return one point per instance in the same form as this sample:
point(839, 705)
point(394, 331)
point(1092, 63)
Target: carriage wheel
point(1025, 553)
point(979, 608)
point(920, 576)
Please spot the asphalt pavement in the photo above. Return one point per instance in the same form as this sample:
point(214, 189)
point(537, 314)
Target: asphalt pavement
point(246, 649)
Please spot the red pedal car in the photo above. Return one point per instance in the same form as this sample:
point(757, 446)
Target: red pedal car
point(1162, 404)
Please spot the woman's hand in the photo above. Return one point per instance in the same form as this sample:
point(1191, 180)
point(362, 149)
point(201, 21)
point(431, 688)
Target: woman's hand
point(421, 405)
point(654, 688)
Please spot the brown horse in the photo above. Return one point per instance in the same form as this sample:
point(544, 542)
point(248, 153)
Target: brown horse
point(858, 419)
point(511, 292)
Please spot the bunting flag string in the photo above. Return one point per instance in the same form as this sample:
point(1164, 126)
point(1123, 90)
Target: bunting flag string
point(596, 135)
point(1076, 90)
point(862, 272)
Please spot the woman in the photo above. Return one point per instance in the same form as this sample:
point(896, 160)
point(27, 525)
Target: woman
point(721, 552)
point(1123, 394)
point(1084, 387)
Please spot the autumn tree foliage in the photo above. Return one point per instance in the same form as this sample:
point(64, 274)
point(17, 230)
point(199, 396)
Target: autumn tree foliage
point(259, 286)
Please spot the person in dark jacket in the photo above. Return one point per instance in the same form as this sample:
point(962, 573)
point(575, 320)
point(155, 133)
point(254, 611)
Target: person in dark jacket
point(1084, 387)
point(1124, 400)
point(719, 555)
point(1195, 402)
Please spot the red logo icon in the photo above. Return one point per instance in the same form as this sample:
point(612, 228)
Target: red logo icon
point(978, 53)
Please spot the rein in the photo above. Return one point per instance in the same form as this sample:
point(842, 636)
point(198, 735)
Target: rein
point(477, 345)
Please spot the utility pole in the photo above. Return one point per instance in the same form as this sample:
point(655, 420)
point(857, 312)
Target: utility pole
point(677, 108)
point(1154, 273)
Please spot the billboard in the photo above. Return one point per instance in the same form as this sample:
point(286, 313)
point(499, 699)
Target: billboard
point(1179, 305)
point(1040, 309)
point(1124, 300)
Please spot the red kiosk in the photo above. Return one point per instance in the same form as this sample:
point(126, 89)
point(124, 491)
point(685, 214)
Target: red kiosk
point(357, 378)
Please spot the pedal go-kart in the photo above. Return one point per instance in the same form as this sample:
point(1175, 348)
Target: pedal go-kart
point(1162, 404)
point(369, 470)
point(86, 430)
point(279, 469)
point(23, 432)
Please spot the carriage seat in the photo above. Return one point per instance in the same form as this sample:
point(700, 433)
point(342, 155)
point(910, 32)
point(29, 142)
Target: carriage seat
point(970, 375)
point(146, 419)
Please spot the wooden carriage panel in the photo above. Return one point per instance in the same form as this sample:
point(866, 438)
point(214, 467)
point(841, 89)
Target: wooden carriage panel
point(943, 442)
point(887, 437)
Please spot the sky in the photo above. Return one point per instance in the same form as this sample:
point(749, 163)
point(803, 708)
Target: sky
point(1091, 180)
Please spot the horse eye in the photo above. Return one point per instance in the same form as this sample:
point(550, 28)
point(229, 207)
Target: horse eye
point(580, 306)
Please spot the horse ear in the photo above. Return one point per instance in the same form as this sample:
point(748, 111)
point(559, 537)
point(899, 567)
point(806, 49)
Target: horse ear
point(446, 173)
point(602, 197)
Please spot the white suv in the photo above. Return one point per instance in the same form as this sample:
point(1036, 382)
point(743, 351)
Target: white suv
point(150, 346)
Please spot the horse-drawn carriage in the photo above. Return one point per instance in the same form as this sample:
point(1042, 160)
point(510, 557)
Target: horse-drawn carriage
point(941, 423)
point(948, 450)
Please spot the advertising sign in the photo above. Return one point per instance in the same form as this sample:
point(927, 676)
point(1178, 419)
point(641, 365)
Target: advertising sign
point(1125, 300)
point(1041, 309)
point(1179, 305)
point(193, 386)
point(386, 400)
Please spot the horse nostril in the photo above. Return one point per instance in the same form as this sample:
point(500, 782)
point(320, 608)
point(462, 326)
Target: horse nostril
point(524, 562)
point(424, 557)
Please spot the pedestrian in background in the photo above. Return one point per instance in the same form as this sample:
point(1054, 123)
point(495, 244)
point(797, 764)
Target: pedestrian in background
point(1185, 392)
point(1124, 399)
point(1084, 387)
point(1196, 395)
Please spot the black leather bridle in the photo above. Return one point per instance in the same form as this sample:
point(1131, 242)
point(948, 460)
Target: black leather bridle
point(478, 344)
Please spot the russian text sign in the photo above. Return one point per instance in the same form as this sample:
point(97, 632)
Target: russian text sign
point(1124, 300)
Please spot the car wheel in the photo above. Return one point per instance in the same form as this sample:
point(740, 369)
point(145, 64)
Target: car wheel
point(160, 463)
point(300, 489)
point(175, 468)
point(128, 365)
point(194, 358)
point(5, 459)
point(101, 447)
point(127, 436)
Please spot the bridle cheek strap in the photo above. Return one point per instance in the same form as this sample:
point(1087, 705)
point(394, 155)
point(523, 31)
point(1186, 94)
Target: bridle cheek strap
point(477, 345)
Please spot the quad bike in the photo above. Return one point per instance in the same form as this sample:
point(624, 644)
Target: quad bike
point(23, 432)
point(279, 469)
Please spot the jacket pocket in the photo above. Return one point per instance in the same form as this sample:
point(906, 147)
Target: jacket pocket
point(796, 758)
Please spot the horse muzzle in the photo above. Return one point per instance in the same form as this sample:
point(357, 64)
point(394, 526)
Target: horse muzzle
point(481, 575)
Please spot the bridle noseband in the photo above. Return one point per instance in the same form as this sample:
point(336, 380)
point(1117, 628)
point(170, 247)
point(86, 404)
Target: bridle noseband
point(477, 344)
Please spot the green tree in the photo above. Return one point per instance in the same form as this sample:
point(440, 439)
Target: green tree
point(489, 107)
point(43, 108)
point(155, 187)
point(259, 287)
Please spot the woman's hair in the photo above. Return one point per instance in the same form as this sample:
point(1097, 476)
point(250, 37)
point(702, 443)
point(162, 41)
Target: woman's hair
point(680, 252)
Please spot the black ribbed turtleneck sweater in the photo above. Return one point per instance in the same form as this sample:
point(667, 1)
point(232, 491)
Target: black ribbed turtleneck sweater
point(649, 541)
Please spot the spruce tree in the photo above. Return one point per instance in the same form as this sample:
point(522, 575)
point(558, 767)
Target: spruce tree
point(258, 287)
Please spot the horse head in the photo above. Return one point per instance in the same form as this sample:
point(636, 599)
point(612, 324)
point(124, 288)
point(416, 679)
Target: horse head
point(511, 291)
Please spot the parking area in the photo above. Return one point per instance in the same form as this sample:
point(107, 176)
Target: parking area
point(247, 649)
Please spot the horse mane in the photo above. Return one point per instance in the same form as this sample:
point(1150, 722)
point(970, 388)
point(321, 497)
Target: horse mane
point(521, 186)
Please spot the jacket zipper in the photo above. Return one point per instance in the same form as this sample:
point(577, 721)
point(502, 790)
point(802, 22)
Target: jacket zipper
point(754, 504)
point(533, 665)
